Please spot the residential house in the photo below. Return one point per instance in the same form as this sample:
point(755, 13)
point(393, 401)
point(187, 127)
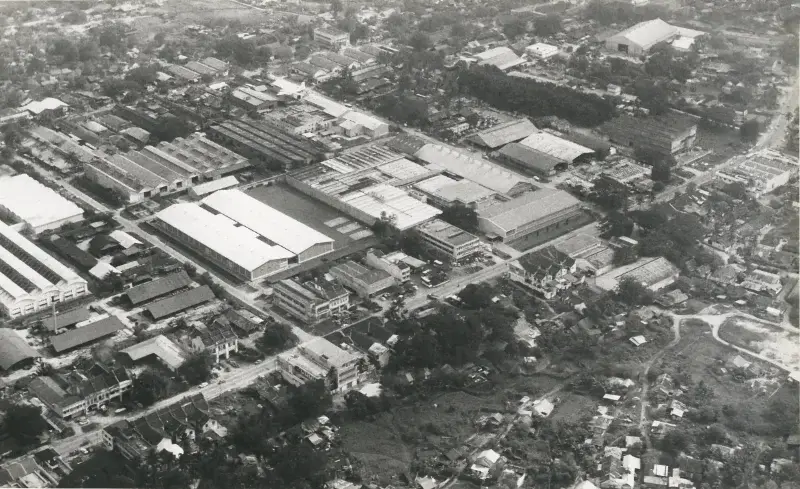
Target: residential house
point(218, 339)
point(546, 271)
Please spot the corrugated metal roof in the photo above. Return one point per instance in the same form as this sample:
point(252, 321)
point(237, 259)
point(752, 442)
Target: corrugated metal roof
point(14, 349)
point(647, 34)
point(274, 225)
point(527, 208)
point(86, 334)
point(34, 203)
point(504, 133)
point(180, 302)
point(385, 199)
point(157, 288)
point(555, 146)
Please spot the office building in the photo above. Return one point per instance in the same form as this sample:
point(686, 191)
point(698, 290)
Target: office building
point(310, 301)
point(398, 269)
point(365, 281)
point(448, 241)
point(333, 39)
point(317, 360)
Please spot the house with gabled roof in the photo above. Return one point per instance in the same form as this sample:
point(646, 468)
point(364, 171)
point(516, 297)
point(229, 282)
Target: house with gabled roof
point(545, 271)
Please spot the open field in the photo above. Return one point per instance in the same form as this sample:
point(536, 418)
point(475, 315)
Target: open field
point(573, 407)
point(770, 341)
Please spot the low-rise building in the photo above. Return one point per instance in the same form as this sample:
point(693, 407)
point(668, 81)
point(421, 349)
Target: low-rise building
point(761, 172)
point(396, 268)
point(39, 207)
point(79, 392)
point(332, 39)
point(653, 273)
point(320, 359)
point(448, 240)
point(218, 339)
point(667, 134)
point(311, 301)
point(541, 50)
point(533, 212)
point(365, 281)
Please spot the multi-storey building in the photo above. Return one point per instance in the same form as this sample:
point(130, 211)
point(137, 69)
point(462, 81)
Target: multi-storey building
point(320, 360)
point(448, 240)
point(546, 271)
point(311, 301)
point(218, 339)
point(394, 267)
point(331, 38)
point(364, 281)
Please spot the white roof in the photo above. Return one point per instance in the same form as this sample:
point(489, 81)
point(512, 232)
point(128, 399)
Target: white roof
point(585, 485)
point(102, 270)
point(450, 190)
point(124, 239)
point(638, 340)
point(683, 43)
point(404, 169)
point(392, 201)
point(39, 106)
point(490, 456)
point(555, 146)
point(501, 57)
point(649, 33)
point(334, 355)
point(478, 170)
point(528, 208)
point(660, 470)
point(542, 50)
point(274, 225)
point(221, 234)
point(161, 346)
point(543, 407)
point(34, 203)
point(363, 119)
point(214, 185)
point(330, 107)
point(612, 397)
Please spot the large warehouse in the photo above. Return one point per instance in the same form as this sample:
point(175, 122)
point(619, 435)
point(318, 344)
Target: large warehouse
point(532, 212)
point(24, 199)
point(168, 167)
point(242, 235)
point(668, 134)
point(638, 40)
point(362, 184)
point(30, 279)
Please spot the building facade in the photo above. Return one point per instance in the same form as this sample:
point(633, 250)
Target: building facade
point(310, 302)
point(331, 38)
point(397, 269)
point(547, 271)
point(320, 360)
point(365, 281)
point(448, 240)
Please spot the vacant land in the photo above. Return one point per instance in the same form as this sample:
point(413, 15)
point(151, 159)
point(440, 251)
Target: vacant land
point(768, 340)
point(573, 407)
point(387, 445)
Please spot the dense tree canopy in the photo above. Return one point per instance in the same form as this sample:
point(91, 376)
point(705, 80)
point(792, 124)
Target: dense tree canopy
point(148, 387)
point(197, 368)
point(24, 424)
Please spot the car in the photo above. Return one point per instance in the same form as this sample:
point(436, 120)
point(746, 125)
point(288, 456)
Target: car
point(258, 361)
point(203, 385)
point(83, 421)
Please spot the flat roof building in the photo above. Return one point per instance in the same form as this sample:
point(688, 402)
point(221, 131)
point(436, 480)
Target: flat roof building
point(541, 50)
point(331, 38)
point(315, 359)
point(310, 301)
point(41, 208)
point(761, 172)
point(363, 280)
point(448, 240)
point(396, 268)
point(30, 279)
point(443, 191)
point(533, 212)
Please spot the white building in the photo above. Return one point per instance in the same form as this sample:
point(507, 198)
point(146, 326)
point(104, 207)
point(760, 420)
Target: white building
point(448, 240)
point(761, 172)
point(541, 50)
point(331, 38)
point(30, 279)
point(640, 38)
point(502, 57)
point(24, 199)
point(320, 359)
point(396, 268)
point(310, 302)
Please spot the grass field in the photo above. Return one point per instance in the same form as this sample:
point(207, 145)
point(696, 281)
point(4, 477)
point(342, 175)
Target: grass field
point(573, 407)
point(770, 341)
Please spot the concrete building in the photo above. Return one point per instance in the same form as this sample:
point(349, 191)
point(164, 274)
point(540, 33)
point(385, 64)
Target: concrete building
point(332, 39)
point(448, 240)
point(30, 279)
point(78, 393)
point(667, 134)
point(396, 268)
point(39, 207)
point(218, 339)
point(761, 172)
point(534, 212)
point(311, 301)
point(365, 281)
point(546, 271)
point(442, 191)
point(320, 359)
point(541, 50)
point(638, 39)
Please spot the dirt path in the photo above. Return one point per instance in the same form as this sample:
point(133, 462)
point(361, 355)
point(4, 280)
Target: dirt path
point(643, 419)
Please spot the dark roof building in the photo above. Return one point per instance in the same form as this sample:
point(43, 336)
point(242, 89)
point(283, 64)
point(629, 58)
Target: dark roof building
point(65, 319)
point(158, 288)
point(68, 394)
point(546, 262)
point(180, 302)
point(667, 134)
point(267, 142)
point(14, 349)
point(529, 159)
point(505, 133)
point(86, 334)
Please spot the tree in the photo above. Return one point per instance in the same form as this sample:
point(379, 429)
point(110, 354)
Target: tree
point(24, 424)
point(515, 28)
point(652, 97)
point(336, 7)
point(461, 216)
point(547, 26)
point(675, 441)
point(789, 50)
point(633, 293)
point(749, 131)
point(297, 462)
point(419, 41)
point(661, 172)
point(148, 388)
point(197, 368)
point(277, 337)
point(171, 127)
point(624, 255)
point(476, 296)
point(310, 400)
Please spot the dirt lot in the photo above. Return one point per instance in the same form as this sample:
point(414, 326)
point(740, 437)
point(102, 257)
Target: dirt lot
point(770, 341)
point(387, 445)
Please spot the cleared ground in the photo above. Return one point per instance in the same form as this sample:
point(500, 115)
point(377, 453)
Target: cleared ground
point(770, 341)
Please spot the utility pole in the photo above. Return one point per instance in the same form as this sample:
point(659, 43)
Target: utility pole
point(55, 319)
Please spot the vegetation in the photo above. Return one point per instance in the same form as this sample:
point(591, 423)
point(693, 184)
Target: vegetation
point(276, 338)
point(461, 216)
point(148, 387)
point(197, 368)
point(24, 424)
